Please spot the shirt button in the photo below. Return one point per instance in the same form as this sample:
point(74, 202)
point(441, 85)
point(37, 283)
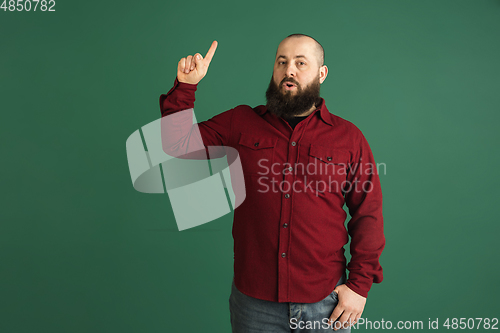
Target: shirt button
point(283, 255)
point(329, 158)
point(294, 143)
point(287, 196)
point(285, 225)
point(290, 169)
point(256, 144)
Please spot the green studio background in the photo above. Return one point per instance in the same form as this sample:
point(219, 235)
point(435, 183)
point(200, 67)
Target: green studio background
point(82, 251)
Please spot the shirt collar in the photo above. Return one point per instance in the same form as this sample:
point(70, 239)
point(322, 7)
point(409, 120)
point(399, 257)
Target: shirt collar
point(323, 112)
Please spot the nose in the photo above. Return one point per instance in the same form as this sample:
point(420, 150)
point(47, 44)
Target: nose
point(290, 70)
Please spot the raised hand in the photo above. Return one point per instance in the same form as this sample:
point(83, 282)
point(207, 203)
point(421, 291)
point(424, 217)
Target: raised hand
point(194, 68)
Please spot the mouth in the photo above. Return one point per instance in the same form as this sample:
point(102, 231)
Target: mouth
point(289, 86)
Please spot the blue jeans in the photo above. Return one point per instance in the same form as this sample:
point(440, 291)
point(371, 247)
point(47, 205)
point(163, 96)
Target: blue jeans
point(249, 315)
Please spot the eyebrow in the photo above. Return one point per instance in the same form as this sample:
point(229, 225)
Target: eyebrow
point(297, 56)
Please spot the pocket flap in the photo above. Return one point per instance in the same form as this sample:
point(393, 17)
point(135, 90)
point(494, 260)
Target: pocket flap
point(329, 155)
point(256, 143)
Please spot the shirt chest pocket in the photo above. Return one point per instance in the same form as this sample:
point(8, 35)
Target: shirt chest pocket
point(327, 168)
point(257, 154)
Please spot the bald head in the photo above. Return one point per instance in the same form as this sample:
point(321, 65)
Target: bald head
point(319, 52)
point(298, 65)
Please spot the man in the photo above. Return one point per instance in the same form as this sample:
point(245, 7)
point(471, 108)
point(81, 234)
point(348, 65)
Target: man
point(301, 164)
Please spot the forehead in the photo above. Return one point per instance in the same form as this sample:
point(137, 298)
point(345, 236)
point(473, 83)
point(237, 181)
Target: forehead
point(294, 46)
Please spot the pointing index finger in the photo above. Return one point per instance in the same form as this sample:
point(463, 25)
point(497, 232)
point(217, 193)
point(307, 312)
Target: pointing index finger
point(211, 51)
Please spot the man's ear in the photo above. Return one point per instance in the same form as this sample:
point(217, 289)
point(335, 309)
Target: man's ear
point(323, 72)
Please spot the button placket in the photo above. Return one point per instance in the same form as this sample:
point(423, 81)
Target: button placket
point(284, 237)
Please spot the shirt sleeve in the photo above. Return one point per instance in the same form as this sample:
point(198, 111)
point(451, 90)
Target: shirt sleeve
point(182, 138)
point(364, 201)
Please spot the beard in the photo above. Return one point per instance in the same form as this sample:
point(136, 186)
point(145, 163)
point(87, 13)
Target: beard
point(283, 104)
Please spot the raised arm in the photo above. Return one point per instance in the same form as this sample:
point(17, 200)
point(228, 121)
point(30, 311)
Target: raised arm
point(179, 135)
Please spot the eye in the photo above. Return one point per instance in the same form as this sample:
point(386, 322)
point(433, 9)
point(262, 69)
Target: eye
point(281, 63)
point(301, 63)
